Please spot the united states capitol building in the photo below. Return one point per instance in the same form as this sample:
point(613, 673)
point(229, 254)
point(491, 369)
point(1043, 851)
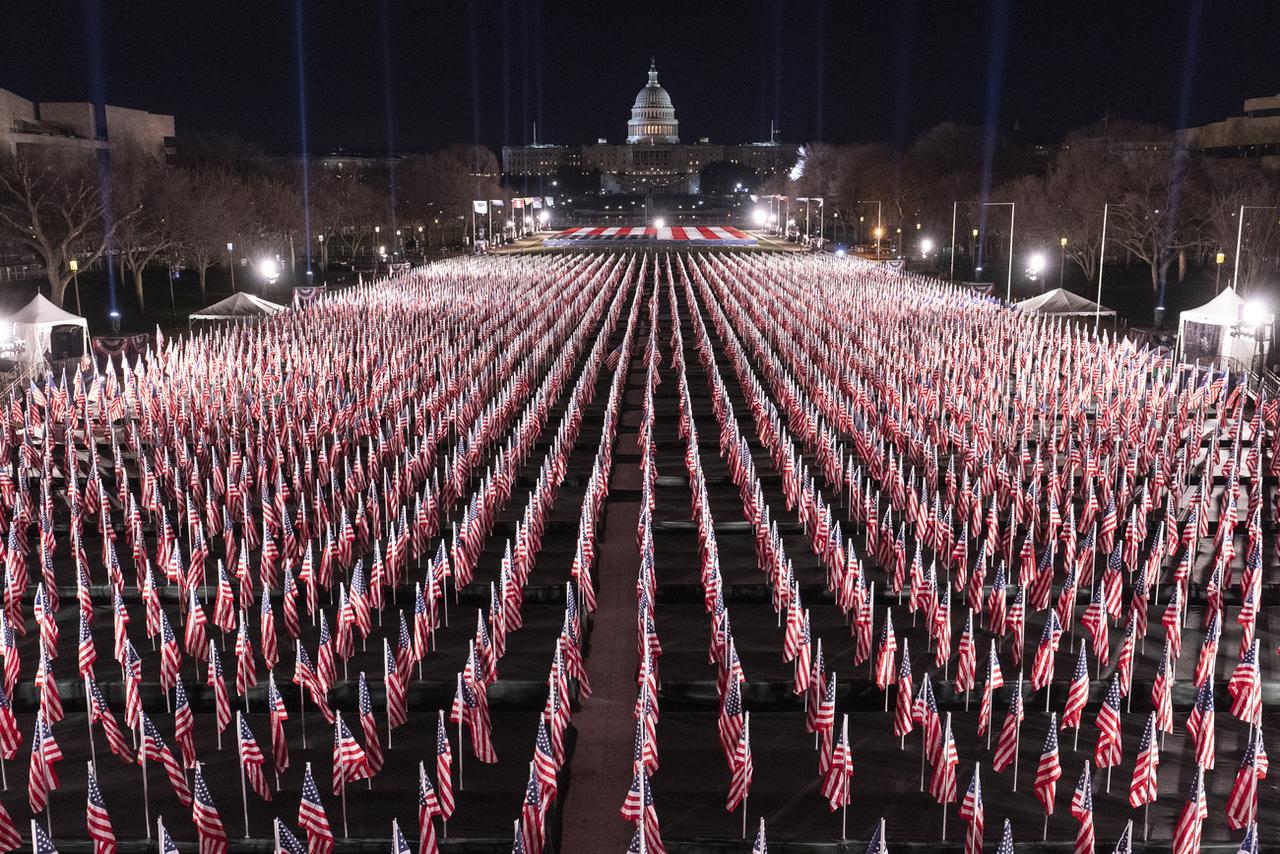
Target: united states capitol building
point(653, 159)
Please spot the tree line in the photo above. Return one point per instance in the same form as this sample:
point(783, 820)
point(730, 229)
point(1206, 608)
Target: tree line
point(1166, 207)
point(136, 209)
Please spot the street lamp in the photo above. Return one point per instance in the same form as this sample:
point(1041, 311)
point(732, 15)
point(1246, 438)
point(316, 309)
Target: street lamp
point(759, 216)
point(231, 262)
point(1062, 259)
point(659, 223)
point(269, 270)
point(926, 246)
point(74, 266)
point(879, 233)
point(1035, 266)
point(1217, 275)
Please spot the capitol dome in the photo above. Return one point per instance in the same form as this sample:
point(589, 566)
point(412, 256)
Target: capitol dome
point(653, 116)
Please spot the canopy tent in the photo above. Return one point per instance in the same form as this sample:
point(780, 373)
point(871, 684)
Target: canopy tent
point(238, 306)
point(1063, 302)
point(1225, 329)
point(34, 323)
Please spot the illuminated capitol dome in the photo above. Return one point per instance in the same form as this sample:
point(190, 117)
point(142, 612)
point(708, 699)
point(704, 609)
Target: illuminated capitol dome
point(653, 116)
point(652, 160)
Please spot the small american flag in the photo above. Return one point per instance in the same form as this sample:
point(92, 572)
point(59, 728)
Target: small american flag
point(1186, 833)
point(97, 820)
point(312, 817)
point(213, 839)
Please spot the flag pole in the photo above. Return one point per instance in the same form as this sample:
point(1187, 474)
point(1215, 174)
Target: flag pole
point(460, 751)
point(1017, 736)
point(244, 794)
point(386, 694)
point(212, 652)
point(302, 693)
point(871, 618)
point(275, 830)
point(146, 794)
point(88, 707)
point(159, 831)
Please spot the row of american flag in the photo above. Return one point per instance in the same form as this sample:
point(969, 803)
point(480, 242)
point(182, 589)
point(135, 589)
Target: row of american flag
point(1134, 490)
point(332, 469)
point(323, 441)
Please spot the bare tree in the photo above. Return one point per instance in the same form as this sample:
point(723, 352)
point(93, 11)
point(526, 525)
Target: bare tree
point(53, 205)
point(1156, 218)
point(141, 191)
point(204, 207)
point(1229, 186)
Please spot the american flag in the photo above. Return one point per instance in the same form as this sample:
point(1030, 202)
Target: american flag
point(96, 818)
point(99, 712)
point(399, 845)
point(1242, 803)
point(312, 817)
point(444, 769)
point(639, 808)
point(10, 839)
point(251, 759)
point(286, 841)
point(1049, 771)
point(153, 749)
point(1200, 724)
point(1186, 833)
point(531, 825)
point(42, 776)
point(741, 768)
point(1108, 753)
point(1006, 840)
point(278, 715)
point(877, 844)
point(943, 783)
point(397, 706)
point(1245, 687)
point(213, 839)
point(349, 761)
point(40, 841)
point(372, 747)
point(971, 812)
point(428, 808)
point(903, 720)
point(1006, 747)
point(215, 680)
point(835, 783)
point(888, 649)
point(1082, 811)
point(1143, 789)
point(87, 653)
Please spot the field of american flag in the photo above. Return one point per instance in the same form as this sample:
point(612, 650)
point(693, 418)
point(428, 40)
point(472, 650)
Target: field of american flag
point(639, 551)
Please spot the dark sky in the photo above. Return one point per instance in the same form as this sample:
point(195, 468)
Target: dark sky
point(487, 69)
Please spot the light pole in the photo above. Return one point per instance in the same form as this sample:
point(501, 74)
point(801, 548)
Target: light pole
point(1013, 210)
point(954, 207)
point(74, 266)
point(377, 231)
point(231, 262)
point(1235, 267)
point(1062, 260)
point(1217, 273)
point(1102, 260)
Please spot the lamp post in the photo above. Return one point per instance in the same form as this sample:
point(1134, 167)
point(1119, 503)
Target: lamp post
point(74, 266)
point(231, 262)
point(1102, 260)
point(1217, 273)
point(377, 232)
point(1062, 259)
point(1235, 267)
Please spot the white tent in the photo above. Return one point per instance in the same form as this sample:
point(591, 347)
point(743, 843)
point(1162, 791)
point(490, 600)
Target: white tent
point(34, 324)
point(1225, 330)
point(1063, 302)
point(238, 306)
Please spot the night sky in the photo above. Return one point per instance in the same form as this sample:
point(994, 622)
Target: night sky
point(410, 76)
